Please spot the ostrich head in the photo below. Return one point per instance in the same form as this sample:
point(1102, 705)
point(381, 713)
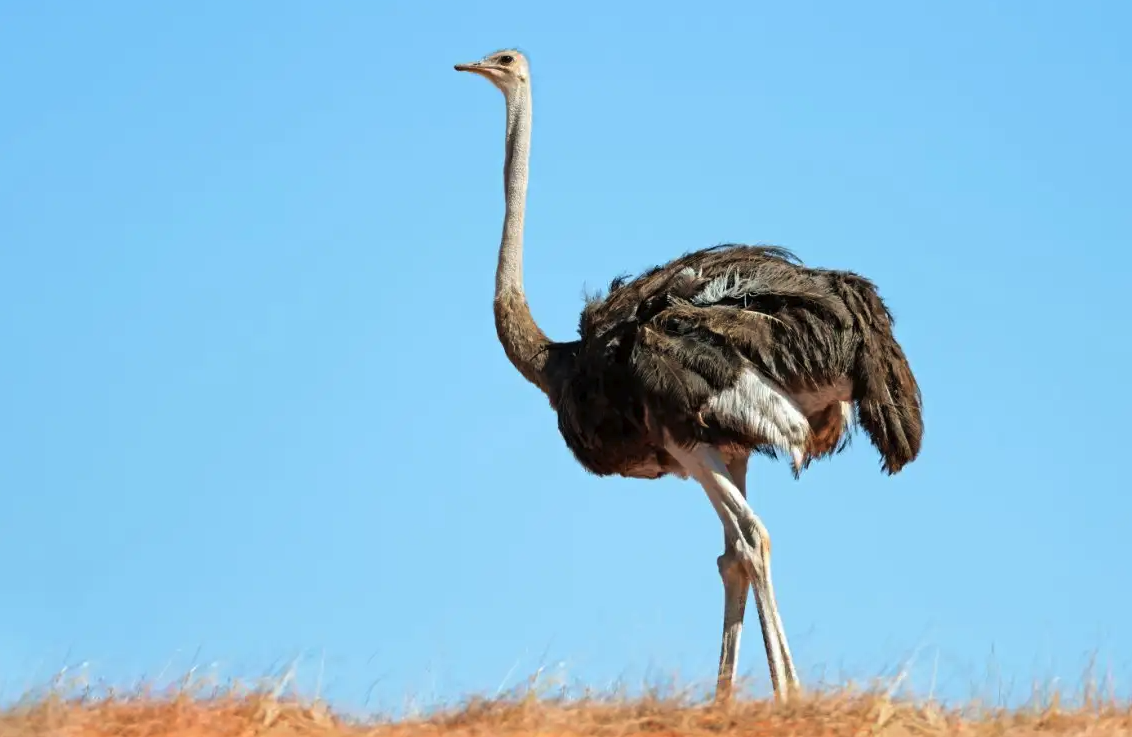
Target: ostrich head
point(506, 69)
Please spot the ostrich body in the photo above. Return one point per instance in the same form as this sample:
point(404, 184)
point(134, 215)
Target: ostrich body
point(693, 366)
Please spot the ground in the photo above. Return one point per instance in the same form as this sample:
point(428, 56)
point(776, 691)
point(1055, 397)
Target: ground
point(842, 711)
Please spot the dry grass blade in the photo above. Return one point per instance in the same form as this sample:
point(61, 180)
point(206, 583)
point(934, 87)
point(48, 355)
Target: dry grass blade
point(528, 713)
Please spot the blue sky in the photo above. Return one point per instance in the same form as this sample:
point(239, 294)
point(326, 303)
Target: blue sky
point(253, 407)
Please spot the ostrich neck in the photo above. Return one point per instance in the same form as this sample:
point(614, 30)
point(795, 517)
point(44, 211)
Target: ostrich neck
point(523, 342)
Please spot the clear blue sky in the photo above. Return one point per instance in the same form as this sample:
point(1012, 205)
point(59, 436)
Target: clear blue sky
point(253, 407)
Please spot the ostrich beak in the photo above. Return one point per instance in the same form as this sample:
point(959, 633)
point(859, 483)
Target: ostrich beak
point(474, 66)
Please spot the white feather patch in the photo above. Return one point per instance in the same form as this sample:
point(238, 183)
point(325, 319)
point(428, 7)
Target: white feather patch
point(758, 407)
point(729, 285)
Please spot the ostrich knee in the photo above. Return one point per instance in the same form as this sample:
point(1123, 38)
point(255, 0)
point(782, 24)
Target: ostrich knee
point(747, 556)
point(739, 563)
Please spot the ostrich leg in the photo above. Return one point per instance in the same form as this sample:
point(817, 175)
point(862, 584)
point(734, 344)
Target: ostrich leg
point(750, 546)
point(764, 588)
point(736, 586)
point(764, 592)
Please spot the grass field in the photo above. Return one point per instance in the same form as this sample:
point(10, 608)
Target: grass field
point(840, 711)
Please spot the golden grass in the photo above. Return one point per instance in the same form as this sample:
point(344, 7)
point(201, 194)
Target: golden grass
point(845, 711)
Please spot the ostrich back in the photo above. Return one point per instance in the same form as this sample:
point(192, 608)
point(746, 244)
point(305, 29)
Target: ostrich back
point(658, 353)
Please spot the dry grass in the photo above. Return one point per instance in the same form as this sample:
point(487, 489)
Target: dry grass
point(845, 711)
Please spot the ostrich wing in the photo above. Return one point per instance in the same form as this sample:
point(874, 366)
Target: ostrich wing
point(657, 348)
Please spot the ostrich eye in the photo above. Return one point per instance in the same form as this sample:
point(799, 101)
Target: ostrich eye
point(506, 59)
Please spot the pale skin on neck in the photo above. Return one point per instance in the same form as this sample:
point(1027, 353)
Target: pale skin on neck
point(509, 272)
point(523, 341)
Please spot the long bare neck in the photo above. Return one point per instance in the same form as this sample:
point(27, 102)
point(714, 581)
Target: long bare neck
point(523, 342)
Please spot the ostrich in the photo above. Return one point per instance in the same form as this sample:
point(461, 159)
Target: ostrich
point(693, 366)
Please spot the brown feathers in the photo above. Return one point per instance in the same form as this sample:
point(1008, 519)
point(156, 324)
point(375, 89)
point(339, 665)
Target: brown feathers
point(655, 349)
